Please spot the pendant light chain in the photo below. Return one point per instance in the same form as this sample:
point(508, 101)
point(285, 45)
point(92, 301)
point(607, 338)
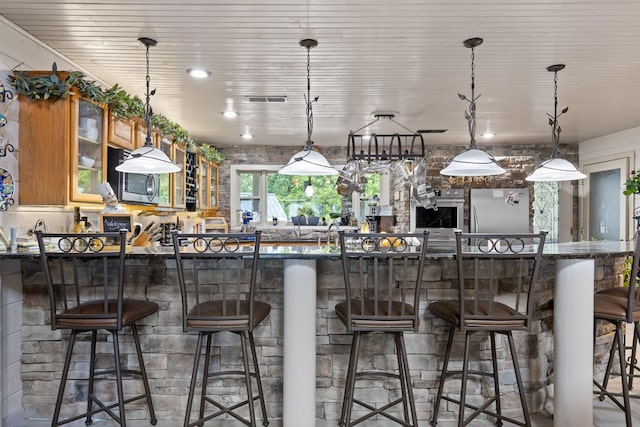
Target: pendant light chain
point(553, 120)
point(147, 107)
point(308, 101)
point(555, 129)
point(470, 115)
point(472, 106)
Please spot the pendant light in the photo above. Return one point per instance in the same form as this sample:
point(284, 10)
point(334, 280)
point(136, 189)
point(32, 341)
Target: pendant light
point(308, 161)
point(473, 161)
point(147, 159)
point(555, 168)
point(309, 191)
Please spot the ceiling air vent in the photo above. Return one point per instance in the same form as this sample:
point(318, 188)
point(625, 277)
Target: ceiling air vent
point(267, 99)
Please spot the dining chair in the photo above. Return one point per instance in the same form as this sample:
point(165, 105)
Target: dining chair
point(218, 274)
point(488, 302)
point(383, 277)
point(85, 275)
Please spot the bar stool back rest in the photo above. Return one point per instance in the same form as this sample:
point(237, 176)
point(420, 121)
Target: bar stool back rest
point(382, 282)
point(218, 274)
point(483, 261)
point(85, 275)
point(383, 277)
point(218, 269)
point(87, 272)
point(496, 278)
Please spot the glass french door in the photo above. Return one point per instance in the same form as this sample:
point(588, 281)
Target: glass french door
point(605, 209)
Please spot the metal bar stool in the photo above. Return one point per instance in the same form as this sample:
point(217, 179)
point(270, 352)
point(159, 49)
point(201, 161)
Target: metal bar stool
point(620, 306)
point(218, 275)
point(85, 282)
point(383, 276)
point(496, 280)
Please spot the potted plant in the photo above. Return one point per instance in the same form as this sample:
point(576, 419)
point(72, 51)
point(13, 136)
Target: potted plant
point(309, 213)
point(632, 185)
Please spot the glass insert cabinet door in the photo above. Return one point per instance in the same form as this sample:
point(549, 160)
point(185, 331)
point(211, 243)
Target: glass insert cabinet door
point(213, 186)
point(179, 178)
point(88, 151)
point(163, 180)
point(203, 184)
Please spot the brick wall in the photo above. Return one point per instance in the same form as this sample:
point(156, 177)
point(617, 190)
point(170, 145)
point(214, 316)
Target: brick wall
point(169, 351)
point(519, 161)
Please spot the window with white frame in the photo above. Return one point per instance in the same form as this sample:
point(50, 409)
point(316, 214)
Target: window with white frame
point(268, 195)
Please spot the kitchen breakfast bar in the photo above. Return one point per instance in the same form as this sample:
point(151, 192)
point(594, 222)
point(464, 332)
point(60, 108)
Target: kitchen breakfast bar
point(303, 348)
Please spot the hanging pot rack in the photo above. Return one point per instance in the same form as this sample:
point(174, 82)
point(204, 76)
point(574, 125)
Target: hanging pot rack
point(376, 147)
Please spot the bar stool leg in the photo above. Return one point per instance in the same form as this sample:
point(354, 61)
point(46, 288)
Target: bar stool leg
point(607, 371)
point(465, 375)
point(406, 381)
point(496, 379)
point(92, 373)
point(447, 354)
point(516, 368)
point(143, 374)
point(247, 377)
point(401, 374)
point(265, 421)
point(350, 371)
point(357, 335)
point(194, 375)
point(205, 373)
point(116, 356)
point(63, 380)
point(623, 374)
point(633, 361)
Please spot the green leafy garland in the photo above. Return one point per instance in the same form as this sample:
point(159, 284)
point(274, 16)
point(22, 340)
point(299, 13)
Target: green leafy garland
point(52, 87)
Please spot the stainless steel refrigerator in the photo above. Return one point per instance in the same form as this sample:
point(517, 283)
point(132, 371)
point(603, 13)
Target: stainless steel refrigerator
point(499, 210)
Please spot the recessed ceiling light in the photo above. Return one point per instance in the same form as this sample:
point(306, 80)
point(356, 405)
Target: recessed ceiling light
point(230, 114)
point(246, 135)
point(488, 135)
point(198, 73)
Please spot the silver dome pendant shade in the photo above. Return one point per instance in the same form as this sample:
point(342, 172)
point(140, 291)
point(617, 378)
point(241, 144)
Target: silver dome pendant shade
point(307, 161)
point(147, 159)
point(555, 168)
point(473, 161)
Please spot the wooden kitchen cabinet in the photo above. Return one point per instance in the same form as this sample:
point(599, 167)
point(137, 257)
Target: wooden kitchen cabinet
point(62, 151)
point(140, 136)
point(207, 185)
point(121, 133)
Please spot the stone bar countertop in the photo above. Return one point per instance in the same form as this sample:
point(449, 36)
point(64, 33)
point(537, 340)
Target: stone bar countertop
point(319, 249)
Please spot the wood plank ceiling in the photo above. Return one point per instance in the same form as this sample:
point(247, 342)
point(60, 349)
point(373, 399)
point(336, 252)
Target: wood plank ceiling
point(402, 56)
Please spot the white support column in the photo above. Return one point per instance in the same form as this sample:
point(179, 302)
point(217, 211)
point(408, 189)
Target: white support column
point(299, 389)
point(573, 332)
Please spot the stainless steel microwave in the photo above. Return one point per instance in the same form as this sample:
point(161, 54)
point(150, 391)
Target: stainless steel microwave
point(440, 222)
point(134, 188)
